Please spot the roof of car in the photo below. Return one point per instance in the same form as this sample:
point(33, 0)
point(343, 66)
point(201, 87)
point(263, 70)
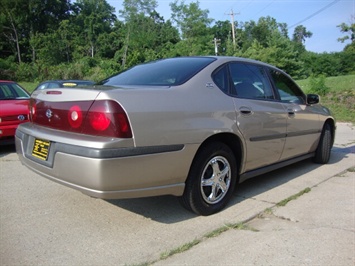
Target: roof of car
point(68, 80)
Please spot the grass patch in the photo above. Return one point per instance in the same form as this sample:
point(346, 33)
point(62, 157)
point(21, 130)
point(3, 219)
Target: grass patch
point(217, 232)
point(29, 86)
point(237, 226)
point(180, 249)
point(293, 197)
point(352, 169)
point(340, 98)
point(212, 234)
point(243, 226)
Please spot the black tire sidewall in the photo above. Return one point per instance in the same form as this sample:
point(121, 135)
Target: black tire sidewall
point(324, 146)
point(192, 195)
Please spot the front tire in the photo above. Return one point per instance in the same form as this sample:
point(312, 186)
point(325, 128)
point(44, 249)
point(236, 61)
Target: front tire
point(211, 180)
point(324, 146)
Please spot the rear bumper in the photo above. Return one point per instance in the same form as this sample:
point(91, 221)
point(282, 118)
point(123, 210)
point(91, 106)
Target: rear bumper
point(111, 173)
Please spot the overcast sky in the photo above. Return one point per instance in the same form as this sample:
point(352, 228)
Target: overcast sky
point(321, 17)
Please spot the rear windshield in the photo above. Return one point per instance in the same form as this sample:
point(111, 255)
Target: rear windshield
point(165, 72)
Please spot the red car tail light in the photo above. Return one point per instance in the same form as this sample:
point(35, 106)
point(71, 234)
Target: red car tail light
point(99, 118)
point(109, 119)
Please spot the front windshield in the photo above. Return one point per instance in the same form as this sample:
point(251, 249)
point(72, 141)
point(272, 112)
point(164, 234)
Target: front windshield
point(12, 91)
point(165, 72)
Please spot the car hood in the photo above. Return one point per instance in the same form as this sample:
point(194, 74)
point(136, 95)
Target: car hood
point(14, 107)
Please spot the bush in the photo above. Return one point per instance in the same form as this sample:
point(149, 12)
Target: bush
point(317, 85)
point(26, 72)
point(7, 68)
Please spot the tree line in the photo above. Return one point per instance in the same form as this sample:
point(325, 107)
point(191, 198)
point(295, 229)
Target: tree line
point(84, 39)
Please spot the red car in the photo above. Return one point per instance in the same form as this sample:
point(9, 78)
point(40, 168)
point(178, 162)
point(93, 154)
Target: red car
point(14, 102)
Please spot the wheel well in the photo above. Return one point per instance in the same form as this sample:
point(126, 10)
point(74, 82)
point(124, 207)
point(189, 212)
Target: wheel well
point(232, 141)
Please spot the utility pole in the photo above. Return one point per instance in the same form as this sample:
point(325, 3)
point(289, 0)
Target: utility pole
point(232, 14)
point(217, 42)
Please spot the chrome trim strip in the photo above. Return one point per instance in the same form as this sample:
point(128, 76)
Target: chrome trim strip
point(115, 153)
point(270, 137)
point(95, 153)
point(287, 135)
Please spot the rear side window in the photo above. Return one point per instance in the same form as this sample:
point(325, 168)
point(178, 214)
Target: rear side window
point(250, 81)
point(221, 78)
point(166, 72)
point(287, 89)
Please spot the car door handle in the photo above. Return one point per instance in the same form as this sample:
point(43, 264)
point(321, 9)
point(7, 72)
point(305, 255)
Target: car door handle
point(291, 112)
point(245, 110)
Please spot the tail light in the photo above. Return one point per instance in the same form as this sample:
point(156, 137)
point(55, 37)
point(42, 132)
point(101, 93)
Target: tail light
point(75, 116)
point(100, 118)
point(107, 118)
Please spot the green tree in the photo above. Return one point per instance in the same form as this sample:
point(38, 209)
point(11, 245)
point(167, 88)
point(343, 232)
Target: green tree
point(12, 27)
point(300, 34)
point(190, 19)
point(22, 20)
point(275, 49)
point(222, 31)
point(95, 17)
point(299, 37)
point(193, 24)
point(260, 31)
point(349, 30)
point(328, 64)
point(134, 14)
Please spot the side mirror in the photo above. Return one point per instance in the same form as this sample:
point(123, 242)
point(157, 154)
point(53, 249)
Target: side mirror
point(312, 98)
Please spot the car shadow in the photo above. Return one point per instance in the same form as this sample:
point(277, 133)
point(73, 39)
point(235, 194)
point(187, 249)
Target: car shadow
point(260, 184)
point(166, 209)
point(7, 149)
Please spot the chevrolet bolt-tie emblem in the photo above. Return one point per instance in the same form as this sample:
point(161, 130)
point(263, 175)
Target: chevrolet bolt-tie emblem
point(21, 117)
point(49, 113)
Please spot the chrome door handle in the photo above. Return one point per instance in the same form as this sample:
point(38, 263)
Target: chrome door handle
point(245, 110)
point(291, 112)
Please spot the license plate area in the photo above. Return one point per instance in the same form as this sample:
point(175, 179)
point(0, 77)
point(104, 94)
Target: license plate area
point(40, 149)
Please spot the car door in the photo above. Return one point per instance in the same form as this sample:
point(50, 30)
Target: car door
point(303, 124)
point(260, 118)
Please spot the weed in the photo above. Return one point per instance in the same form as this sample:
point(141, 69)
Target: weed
point(268, 211)
point(243, 226)
point(180, 249)
point(352, 169)
point(217, 232)
point(293, 197)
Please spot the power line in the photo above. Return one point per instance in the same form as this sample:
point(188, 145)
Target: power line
point(265, 7)
point(314, 14)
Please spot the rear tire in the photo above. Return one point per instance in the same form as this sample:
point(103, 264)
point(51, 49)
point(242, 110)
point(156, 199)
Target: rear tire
point(324, 146)
point(211, 180)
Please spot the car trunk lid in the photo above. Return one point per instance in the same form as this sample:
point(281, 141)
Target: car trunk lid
point(78, 110)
